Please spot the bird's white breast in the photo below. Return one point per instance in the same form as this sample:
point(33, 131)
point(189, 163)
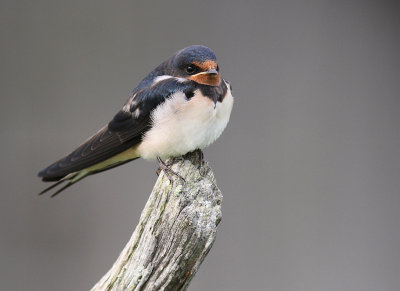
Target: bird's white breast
point(180, 125)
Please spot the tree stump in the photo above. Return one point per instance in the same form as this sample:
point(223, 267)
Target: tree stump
point(176, 231)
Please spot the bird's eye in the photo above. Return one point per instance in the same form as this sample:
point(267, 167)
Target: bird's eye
point(190, 70)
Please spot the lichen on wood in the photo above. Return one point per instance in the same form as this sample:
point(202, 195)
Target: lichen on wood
point(176, 231)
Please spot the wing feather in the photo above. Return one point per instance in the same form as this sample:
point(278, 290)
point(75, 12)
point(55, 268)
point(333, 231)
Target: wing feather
point(124, 130)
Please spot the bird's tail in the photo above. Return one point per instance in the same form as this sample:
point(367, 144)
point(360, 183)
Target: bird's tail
point(72, 178)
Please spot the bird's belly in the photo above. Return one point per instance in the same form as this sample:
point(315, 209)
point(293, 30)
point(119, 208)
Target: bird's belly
point(181, 125)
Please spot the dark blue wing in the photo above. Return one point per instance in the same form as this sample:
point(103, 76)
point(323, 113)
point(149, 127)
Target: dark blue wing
point(123, 131)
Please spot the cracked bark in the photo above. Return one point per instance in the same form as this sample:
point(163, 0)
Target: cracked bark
point(176, 231)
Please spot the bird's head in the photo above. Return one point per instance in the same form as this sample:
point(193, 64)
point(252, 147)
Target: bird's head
point(197, 63)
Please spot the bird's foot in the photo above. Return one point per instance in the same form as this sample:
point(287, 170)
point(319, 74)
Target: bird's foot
point(167, 170)
point(168, 164)
point(201, 157)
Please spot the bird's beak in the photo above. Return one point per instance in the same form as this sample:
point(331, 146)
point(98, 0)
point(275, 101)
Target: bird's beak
point(210, 77)
point(212, 71)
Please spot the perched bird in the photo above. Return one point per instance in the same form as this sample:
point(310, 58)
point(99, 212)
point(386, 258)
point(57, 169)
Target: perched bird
point(181, 106)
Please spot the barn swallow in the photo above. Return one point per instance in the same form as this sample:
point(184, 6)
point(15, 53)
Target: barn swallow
point(181, 106)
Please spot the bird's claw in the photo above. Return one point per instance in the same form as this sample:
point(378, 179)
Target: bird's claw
point(201, 158)
point(167, 170)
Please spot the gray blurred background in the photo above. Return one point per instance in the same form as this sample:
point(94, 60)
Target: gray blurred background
point(309, 165)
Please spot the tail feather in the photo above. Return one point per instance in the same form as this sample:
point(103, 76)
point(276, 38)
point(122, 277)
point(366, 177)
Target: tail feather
point(77, 176)
point(62, 189)
point(72, 179)
point(51, 187)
